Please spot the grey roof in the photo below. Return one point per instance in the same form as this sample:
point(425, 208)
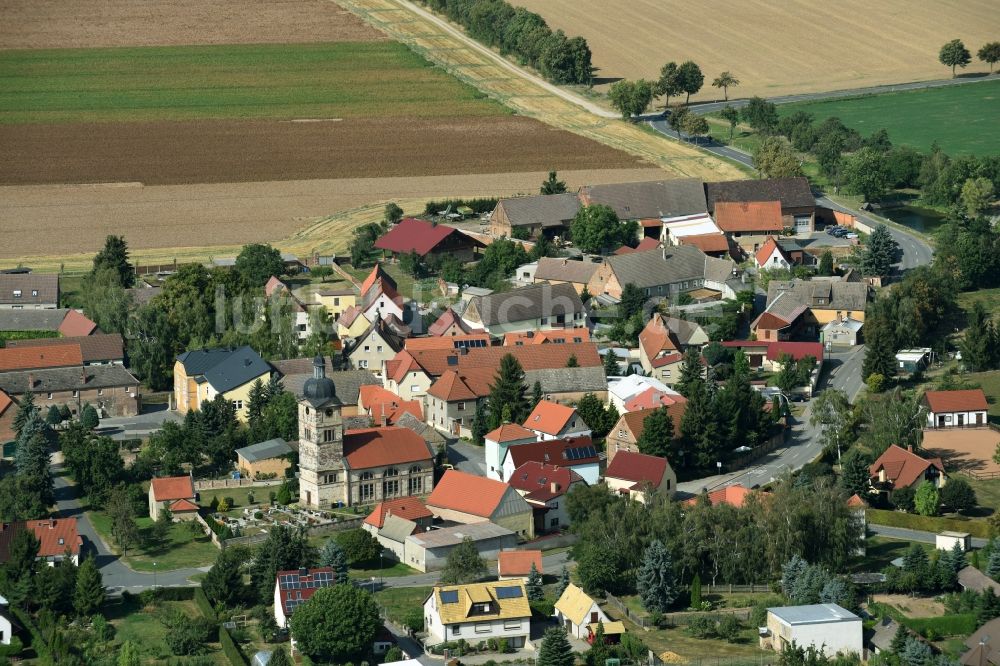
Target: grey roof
point(667, 266)
point(838, 295)
point(652, 199)
point(143, 295)
point(971, 578)
point(787, 307)
point(534, 302)
point(568, 380)
point(94, 348)
point(813, 614)
point(682, 328)
point(357, 422)
point(988, 633)
point(51, 380)
point(397, 529)
point(544, 209)
point(272, 448)
point(791, 192)
point(852, 325)
point(35, 288)
point(430, 435)
point(32, 320)
point(885, 631)
point(565, 270)
point(348, 383)
point(452, 536)
point(224, 369)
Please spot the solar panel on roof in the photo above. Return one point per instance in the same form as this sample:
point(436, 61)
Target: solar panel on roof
point(452, 360)
point(508, 592)
point(449, 597)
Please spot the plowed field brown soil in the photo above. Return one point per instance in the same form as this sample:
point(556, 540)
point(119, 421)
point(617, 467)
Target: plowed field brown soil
point(167, 153)
point(50, 24)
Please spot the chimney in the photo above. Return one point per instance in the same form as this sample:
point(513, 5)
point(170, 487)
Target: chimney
point(909, 447)
point(31, 380)
point(83, 375)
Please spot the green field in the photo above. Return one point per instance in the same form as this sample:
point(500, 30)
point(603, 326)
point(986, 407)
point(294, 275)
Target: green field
point(962, 119)
point(263, 81)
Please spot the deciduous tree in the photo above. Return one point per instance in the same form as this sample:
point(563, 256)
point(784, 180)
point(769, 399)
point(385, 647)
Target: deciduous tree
point(257, 263)
point(954, 54)
point(731, 116)
point(990, 53)
point(760, 114)
point(866, 173)
point(926, 500)
point(337, 624)
point(668, 84)
point(977, 195)
point(358, 545)
point(695, 125)
point(597, 227)
point(630, 98)
point(725, 81)
point(677, 119)
point(773, 158)
point(958, 495)
point(393, 213)
point(690, 79)
point(464, 564)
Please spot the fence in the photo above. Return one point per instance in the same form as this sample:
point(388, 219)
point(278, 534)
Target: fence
point(770, 445)
point(739, 589)
point(216, 484)
point(684, 618)
point(640, 620)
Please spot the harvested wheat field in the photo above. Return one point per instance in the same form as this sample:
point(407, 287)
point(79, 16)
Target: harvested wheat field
point(68, 223)
point(777, 48)
point(51, 24)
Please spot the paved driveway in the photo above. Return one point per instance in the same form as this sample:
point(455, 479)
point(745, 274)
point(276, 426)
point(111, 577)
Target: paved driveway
point(467, 457)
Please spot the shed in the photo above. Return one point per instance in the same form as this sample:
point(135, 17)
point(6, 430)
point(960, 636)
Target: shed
point(428, 551)
point(947, 540)
point(264, 458)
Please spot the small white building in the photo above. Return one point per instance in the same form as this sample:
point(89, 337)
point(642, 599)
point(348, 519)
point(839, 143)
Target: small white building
point(575, 611)
point(955, 409)
point(623, 389)
point(6, 624)
point(844, 332)
point(478, 612)
point(676, 228)
point(947, 540)
point(828, 627)
point(498, 441)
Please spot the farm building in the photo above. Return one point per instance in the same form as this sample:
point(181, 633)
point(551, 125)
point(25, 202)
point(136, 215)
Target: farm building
point(428, 550)
point(947, 409)
point(428, 240)
point(664, 273)
point(796, 203)
point(264, 459)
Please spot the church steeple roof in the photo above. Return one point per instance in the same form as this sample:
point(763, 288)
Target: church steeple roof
point(319, 390)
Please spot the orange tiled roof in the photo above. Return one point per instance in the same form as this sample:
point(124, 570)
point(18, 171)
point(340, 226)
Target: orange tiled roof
point(56, 536)
point(446, 342)
point(564, 336)
point(707, 242)
point(183, 506)
point(652, 398)
point(531, 357)
point(380, 447)
point(467, 493)
point(734, 495)
point(765, 251)
point(408, 508)
point(855, 501)
point(969, 400)
point(903, 468)
point(759, 216)
point(508, 432)
point(656, 337)
point(636, 420)
point(518, 562)
point(549, 417)
point(637, 467)
point(75, 324)
point(36, 358)
point(166, 489)
point(450, 387)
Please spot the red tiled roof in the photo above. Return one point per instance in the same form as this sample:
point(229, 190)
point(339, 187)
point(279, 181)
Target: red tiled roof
point(855, 501)
point(707, 242)
point(450, 387)
point(624, 249)
point(652, 398)
point(536, 480)
point(446, 342)
point(518, 562)
point(554, 452)
point(448, 319)
point(5, 401)
point(401, 365)
point(349, 316)
point(56, 536)
point(170, 488)
point(183, 506)
point(413, 235)
point(651, 222)
point(408, 508)
point(637, 467)
point(75, 324)
point(509, 432)
point(467, 493)
point(377, 274)
point(531, 357)
point(636, 420)
point(656, 337)
point(797, 350)
point(968, 400)
point(380, 403)
point(549, 417)
point(903, 468)
point(566, 336)
point(303, 583)
point(747, 344)
point(770, 322)
point(95, 347)
point(667, 359)
point(733, 495)
point(34, 358)
point(765, 251)
point(759, 216)
point(381, 447)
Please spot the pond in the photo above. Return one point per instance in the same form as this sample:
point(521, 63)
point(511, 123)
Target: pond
point(917, 218)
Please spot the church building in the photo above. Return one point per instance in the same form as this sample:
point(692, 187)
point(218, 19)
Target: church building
point(338, 468)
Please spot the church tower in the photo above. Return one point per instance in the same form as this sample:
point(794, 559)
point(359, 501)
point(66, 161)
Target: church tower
point(322, 477)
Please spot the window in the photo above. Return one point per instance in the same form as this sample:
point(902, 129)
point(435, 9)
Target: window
point(34, 292)
point(366, 476)
point(378, 349)
point(659, 289)
point(101, 392)
point(50, 396)
point(366, 492)
point(483, 628)
point(237, 404)
point(391, 471)
point(76, 394)
point(621, 432)
point(363, 363)
point(368, 348)
point(554, 522)
point(461, 407)
point(390, 488)
point(329, 435)
point(414, 388)
point(511, 625)
point(456, 630)
point(17, 293)
point(331, 478)
point(336, 301)
point(415, 485)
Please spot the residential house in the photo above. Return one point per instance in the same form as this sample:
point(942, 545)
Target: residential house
point(407, 508)
point(294, 587)
point(545, 486)
point(768, 354)
point(560, 270)
point(902, 468)
point(428, 550)
point(336, 300)
point(428, 240)
point(96, 349)
point(42, 356)
point(885, 631)
point(662, 343)
point(459, 341)
point(276, 289)
point(203, 374)
point(829, 628)
point(405, 377)
point(550, 420)
point(972, 579)
point(625, 434)
point(68, 323)
point(517, 563)
point(652, 398)
point(947, 409)
point(844, 332)
point(623, 389)
point(7, 622)
point(575, 610)
point(375, 347)
point(175, 493)
point(450, 324)
point(799, 308)
point(664, 273)
point(478, 611)
point(379, 296)
point(58, 539)
point(524, 275)
point(548, 213)
point(465, 498)
point(29, 291)
point(385, 407)
point(8, 410)
point(556, 336)
point(538, 307)
point(634, 474)
point(499, 441)
point(264, 460)
point(111, 389)
point(796, 200)
point(772, 256)
point(734, 495)
point(983, 648)
point(351, 323)
point(577, 454)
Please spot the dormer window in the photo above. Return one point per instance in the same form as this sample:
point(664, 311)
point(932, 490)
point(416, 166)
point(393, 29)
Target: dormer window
point(17, 293)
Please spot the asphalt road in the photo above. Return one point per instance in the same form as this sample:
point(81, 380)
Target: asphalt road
point(913, 535)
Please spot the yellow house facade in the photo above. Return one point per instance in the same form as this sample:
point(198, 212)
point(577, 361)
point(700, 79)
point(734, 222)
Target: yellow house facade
point(203, 374)
point(336, 301)
point(351, 324)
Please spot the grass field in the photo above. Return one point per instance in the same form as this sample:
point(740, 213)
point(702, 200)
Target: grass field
point(962, 119)
point(397, 602)
point(144, 628)
point(775, 48)
point(181, 550)
point(977, 528)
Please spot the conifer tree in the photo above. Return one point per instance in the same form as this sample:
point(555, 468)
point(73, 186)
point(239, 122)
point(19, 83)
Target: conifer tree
point(508, 390)
point(534, 585)
point(89, 595)
point(555, 649)
point(656, 581)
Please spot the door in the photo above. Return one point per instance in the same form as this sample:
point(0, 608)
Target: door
point(961, 420)
point(979, 418)
point(594, 619)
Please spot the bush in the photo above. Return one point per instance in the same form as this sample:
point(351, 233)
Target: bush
point(503, 647)
point(729, 628)
point(203, 604)
point(542, 608)
point(702, 626)
point(13, 649)
point(414, 620)
point(230, 649)
point(230, 502)
point(946, 625)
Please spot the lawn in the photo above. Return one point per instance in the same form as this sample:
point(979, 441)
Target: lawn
point(977, 528)
point(881, 551)
point(987, 492)
point(278, 81)
point(392, 569)
point(240, 496)
point(142, 626)
point(398, 602)
point(990, 298)
point(182, 548)
point(962, 119)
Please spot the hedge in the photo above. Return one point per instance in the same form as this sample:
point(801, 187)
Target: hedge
point(38, 643)
point(204, 605)
point(911, 521)
point(482, 205)
point(946, 625)
point(175, 593)
point(230, 648)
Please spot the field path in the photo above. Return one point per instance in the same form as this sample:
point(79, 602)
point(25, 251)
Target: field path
point(527, 94)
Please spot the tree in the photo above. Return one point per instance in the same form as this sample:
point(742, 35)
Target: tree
point(564, 579)
point(854, 475)
point(128, 655)
point(337, 624)
point(333, 556)
point(89, 595)
point(552, 184)
point(89, 418)
point(978, 343)
point(534, 585)
point(879, 253)
point(993, 566)
point(692, 371)
point(866, 173)
point(358, 546)
point(725, 81)
point(791, 572)
point(787, 378)
point(630, 98)
point(393, 213)
point(283, 550)
point(695, 592)
point(611, 367)
point(409, 263)
point(53, 417)
point(223, 584)
point(114, 256)
point(915, 652)
point(958, 495)
point(731, 116)
point(760, 114)
point(632, 301)
point(591, 410)
point(689, 79)
point(572, 361)
point(825, 264)
point(555, 649)
point(124, 530)
point(773, 158)
point(508, 391)
point(729, 628)
point(926, 499)
point(667, 85)
point(657, 434)
point(677, 119)
point(257, 263)
point(597, 227)
point(280, 658)
point(990, 53)
point(954, 54)
point(656, 582)
point(977, 195)
point(695, 125)
point(464, 564)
